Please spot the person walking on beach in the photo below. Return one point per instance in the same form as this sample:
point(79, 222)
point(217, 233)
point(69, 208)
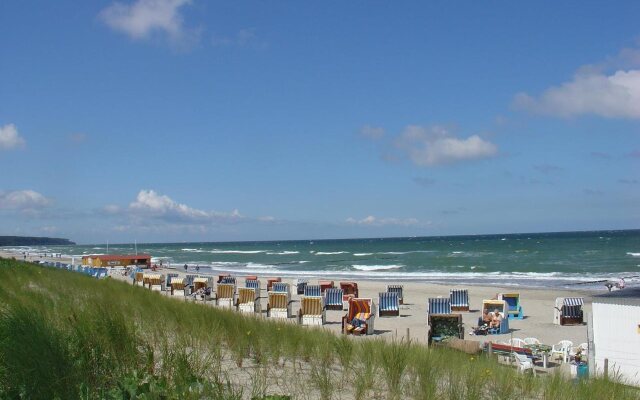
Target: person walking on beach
point(186, 267)
point(197, 268)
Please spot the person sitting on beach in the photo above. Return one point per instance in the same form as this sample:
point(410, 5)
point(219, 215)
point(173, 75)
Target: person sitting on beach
point(496, 320)
point(486, 318)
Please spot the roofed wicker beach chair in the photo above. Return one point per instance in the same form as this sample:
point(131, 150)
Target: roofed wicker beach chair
point(459, 299)
point(438, 305)
point(228, 279)
point(396, 289)
point(324, 285)
point(514, 310)
point(253, 284)
point(568, 311)
point(300, 284)
point(138, 278)
point(221, 277)
point(189, 281)
point(500, 306)
point(349, 289)
point(360, 317)
point(312, 311)
point(278, 305)
point(312, 291)
point(167, 284)
point(225, 295)
point(156, 282)
point(333, 298)
point(281, 287)
point(388, 304)
point(178, 287)
point(248, 301)
point(271, 281)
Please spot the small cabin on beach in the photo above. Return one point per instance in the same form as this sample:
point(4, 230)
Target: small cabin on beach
point(616, 334)
point(117, 260)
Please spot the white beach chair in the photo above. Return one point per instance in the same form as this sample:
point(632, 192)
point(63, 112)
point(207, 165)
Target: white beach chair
point(523, 362)
point(531, 340)
point(516, 342)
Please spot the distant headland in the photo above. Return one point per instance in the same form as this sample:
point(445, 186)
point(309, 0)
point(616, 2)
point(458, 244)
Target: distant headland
point(33, 241)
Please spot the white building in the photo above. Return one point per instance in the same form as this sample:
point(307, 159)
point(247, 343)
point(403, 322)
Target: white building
point(616, 334)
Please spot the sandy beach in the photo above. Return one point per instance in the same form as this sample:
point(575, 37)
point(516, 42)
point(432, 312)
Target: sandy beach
point(538, 306)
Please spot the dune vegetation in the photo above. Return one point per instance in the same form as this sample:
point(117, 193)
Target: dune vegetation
point(66, 335)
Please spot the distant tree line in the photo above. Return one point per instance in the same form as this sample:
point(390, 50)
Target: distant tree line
point(33, 241)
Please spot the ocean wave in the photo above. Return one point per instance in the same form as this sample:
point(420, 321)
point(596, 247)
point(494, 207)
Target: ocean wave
point(282, 253)
point(193, 250)
point(237, 251)
point(407, 252)
point(259, 266)
point(376, 267)
point(633, 254)
point(362, 254)
point(329, 253)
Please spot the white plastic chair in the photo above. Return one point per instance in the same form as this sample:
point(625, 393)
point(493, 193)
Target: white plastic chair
point(523, 363)
point(516, 342)
point(562, 349)
point(531, 340)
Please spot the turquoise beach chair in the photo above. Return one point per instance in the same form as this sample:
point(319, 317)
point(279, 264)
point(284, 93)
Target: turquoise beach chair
point(514, 309)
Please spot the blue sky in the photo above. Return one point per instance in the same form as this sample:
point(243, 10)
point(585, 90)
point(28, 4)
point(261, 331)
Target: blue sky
point(175, 120)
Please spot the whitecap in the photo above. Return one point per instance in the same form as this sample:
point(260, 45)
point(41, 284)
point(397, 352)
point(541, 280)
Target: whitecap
point(376, 267)
point(237, 251)
point(633, 254)
point(282, 253)
point(327, 253)
point(362, 254)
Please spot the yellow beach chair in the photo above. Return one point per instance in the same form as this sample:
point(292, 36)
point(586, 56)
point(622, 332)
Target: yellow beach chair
point(278, 305)
point(225, 295)
point(312, 311)
point(248, 301)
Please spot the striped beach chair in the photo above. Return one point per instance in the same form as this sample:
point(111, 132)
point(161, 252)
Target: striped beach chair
point(156, 282)
point(278, 305)
point(221, 277)
point(189, 280)
point(228, 280)
point(202, 288)
point(312, 291)
point(178, 286)
point(225, 295)
point(311, 311)
point(568, 311)
point(300, 284)
point(459, 299)
point(253, 284)
point(439, 305)
point(138, 278)
point(514, 309)
point(271, 281)
point(388, 304)
point(333, 299)
point(167, 284)
point(281, 287)
point(349, 290)
point(396, 289)
point(360, 317)
point(324, 285)
point(248, 301)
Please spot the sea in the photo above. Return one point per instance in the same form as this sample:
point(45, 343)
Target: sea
point(578, 260)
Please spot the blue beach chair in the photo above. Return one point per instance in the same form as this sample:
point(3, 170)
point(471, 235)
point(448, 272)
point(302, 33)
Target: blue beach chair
point(439, 305)
point(280, 287)
point(333, 299)
point(313, 291)
point(514, 309)
point(253, 284)
point(388, 304)
point(396, 289)
point(459, 299)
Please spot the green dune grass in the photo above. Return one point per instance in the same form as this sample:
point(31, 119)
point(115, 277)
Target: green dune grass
point(65, 335)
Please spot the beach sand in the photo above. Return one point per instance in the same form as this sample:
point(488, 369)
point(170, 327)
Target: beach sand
point(538, 306)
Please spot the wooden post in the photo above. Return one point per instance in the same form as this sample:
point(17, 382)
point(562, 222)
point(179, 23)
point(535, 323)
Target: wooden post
point(408, 336)
point(490, 349)
point(606, 368)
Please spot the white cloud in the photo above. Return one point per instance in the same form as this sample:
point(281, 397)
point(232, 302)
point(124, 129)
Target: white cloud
point(428, 146)
point(590, 92)
point(24, 200)
point(372, 132)
point(373, 221)
point(143, 18)
point(9, 138)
